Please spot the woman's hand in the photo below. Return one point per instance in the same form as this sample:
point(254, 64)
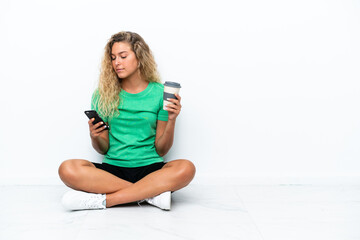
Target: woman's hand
point(95, 130)
point(99, 137)
point(174, 108)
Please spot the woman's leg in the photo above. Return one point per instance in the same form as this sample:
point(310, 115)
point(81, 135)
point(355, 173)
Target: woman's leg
point(82, 175)
point(173, 176)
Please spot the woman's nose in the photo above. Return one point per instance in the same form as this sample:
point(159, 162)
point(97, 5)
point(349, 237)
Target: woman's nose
point(118, 61)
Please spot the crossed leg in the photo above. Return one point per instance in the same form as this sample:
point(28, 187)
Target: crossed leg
point(84, 176)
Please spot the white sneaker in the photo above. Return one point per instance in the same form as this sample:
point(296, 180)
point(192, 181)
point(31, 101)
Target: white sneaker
point(78, 200)
point(162, 201)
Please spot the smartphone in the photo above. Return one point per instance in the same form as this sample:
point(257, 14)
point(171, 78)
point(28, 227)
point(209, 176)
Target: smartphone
point(93, 114)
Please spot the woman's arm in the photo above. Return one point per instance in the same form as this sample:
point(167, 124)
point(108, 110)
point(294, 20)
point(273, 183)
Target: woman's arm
point(165, 130)
point(99, 137)
point(164, 136)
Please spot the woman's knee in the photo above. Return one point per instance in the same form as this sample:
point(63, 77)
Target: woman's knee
point(66, 170)
point(69, 169)
point(186, 170)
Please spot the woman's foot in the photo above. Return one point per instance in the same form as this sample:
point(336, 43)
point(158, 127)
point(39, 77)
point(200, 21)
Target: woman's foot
point(162, 201)
point(78, 200)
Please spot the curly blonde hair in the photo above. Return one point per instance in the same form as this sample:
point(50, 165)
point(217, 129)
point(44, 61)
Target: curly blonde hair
point(110, 84)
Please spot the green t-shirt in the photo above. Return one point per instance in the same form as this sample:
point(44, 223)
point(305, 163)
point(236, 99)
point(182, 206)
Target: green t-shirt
point(132, 132)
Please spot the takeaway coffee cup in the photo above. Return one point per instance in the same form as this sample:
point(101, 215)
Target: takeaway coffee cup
point(170, 88)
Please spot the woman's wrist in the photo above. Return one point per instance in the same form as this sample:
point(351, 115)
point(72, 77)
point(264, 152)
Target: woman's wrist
point(171, 123)
point(99, 144)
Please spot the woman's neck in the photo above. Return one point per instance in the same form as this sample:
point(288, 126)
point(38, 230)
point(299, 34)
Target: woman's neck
point(134, 85)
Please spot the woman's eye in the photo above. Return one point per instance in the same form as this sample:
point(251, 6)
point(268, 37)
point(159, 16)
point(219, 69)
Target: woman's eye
point(113, 58)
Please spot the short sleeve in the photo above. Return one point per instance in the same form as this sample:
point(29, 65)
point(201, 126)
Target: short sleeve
point(94, 104)
point(162, 115)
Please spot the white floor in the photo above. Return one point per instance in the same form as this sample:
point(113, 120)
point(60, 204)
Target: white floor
point(275, 212)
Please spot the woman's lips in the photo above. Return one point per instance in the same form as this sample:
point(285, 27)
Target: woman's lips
point(120, 70)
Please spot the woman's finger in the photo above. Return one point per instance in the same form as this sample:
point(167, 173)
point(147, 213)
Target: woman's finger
point(92, 127)
point(96, 132)
point(174, 101)
point(99, 130)
point(95, 128)
point(173, 106)
point(178, 97)
point(91, 121)
point(98, 125)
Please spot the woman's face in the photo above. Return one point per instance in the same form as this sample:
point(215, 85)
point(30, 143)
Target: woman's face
point(124, 60)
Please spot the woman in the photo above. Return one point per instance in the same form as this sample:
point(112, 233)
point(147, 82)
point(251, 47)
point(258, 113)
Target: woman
point(129, 99)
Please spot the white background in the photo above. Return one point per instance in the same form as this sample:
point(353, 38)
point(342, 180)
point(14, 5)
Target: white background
point(270, 91)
